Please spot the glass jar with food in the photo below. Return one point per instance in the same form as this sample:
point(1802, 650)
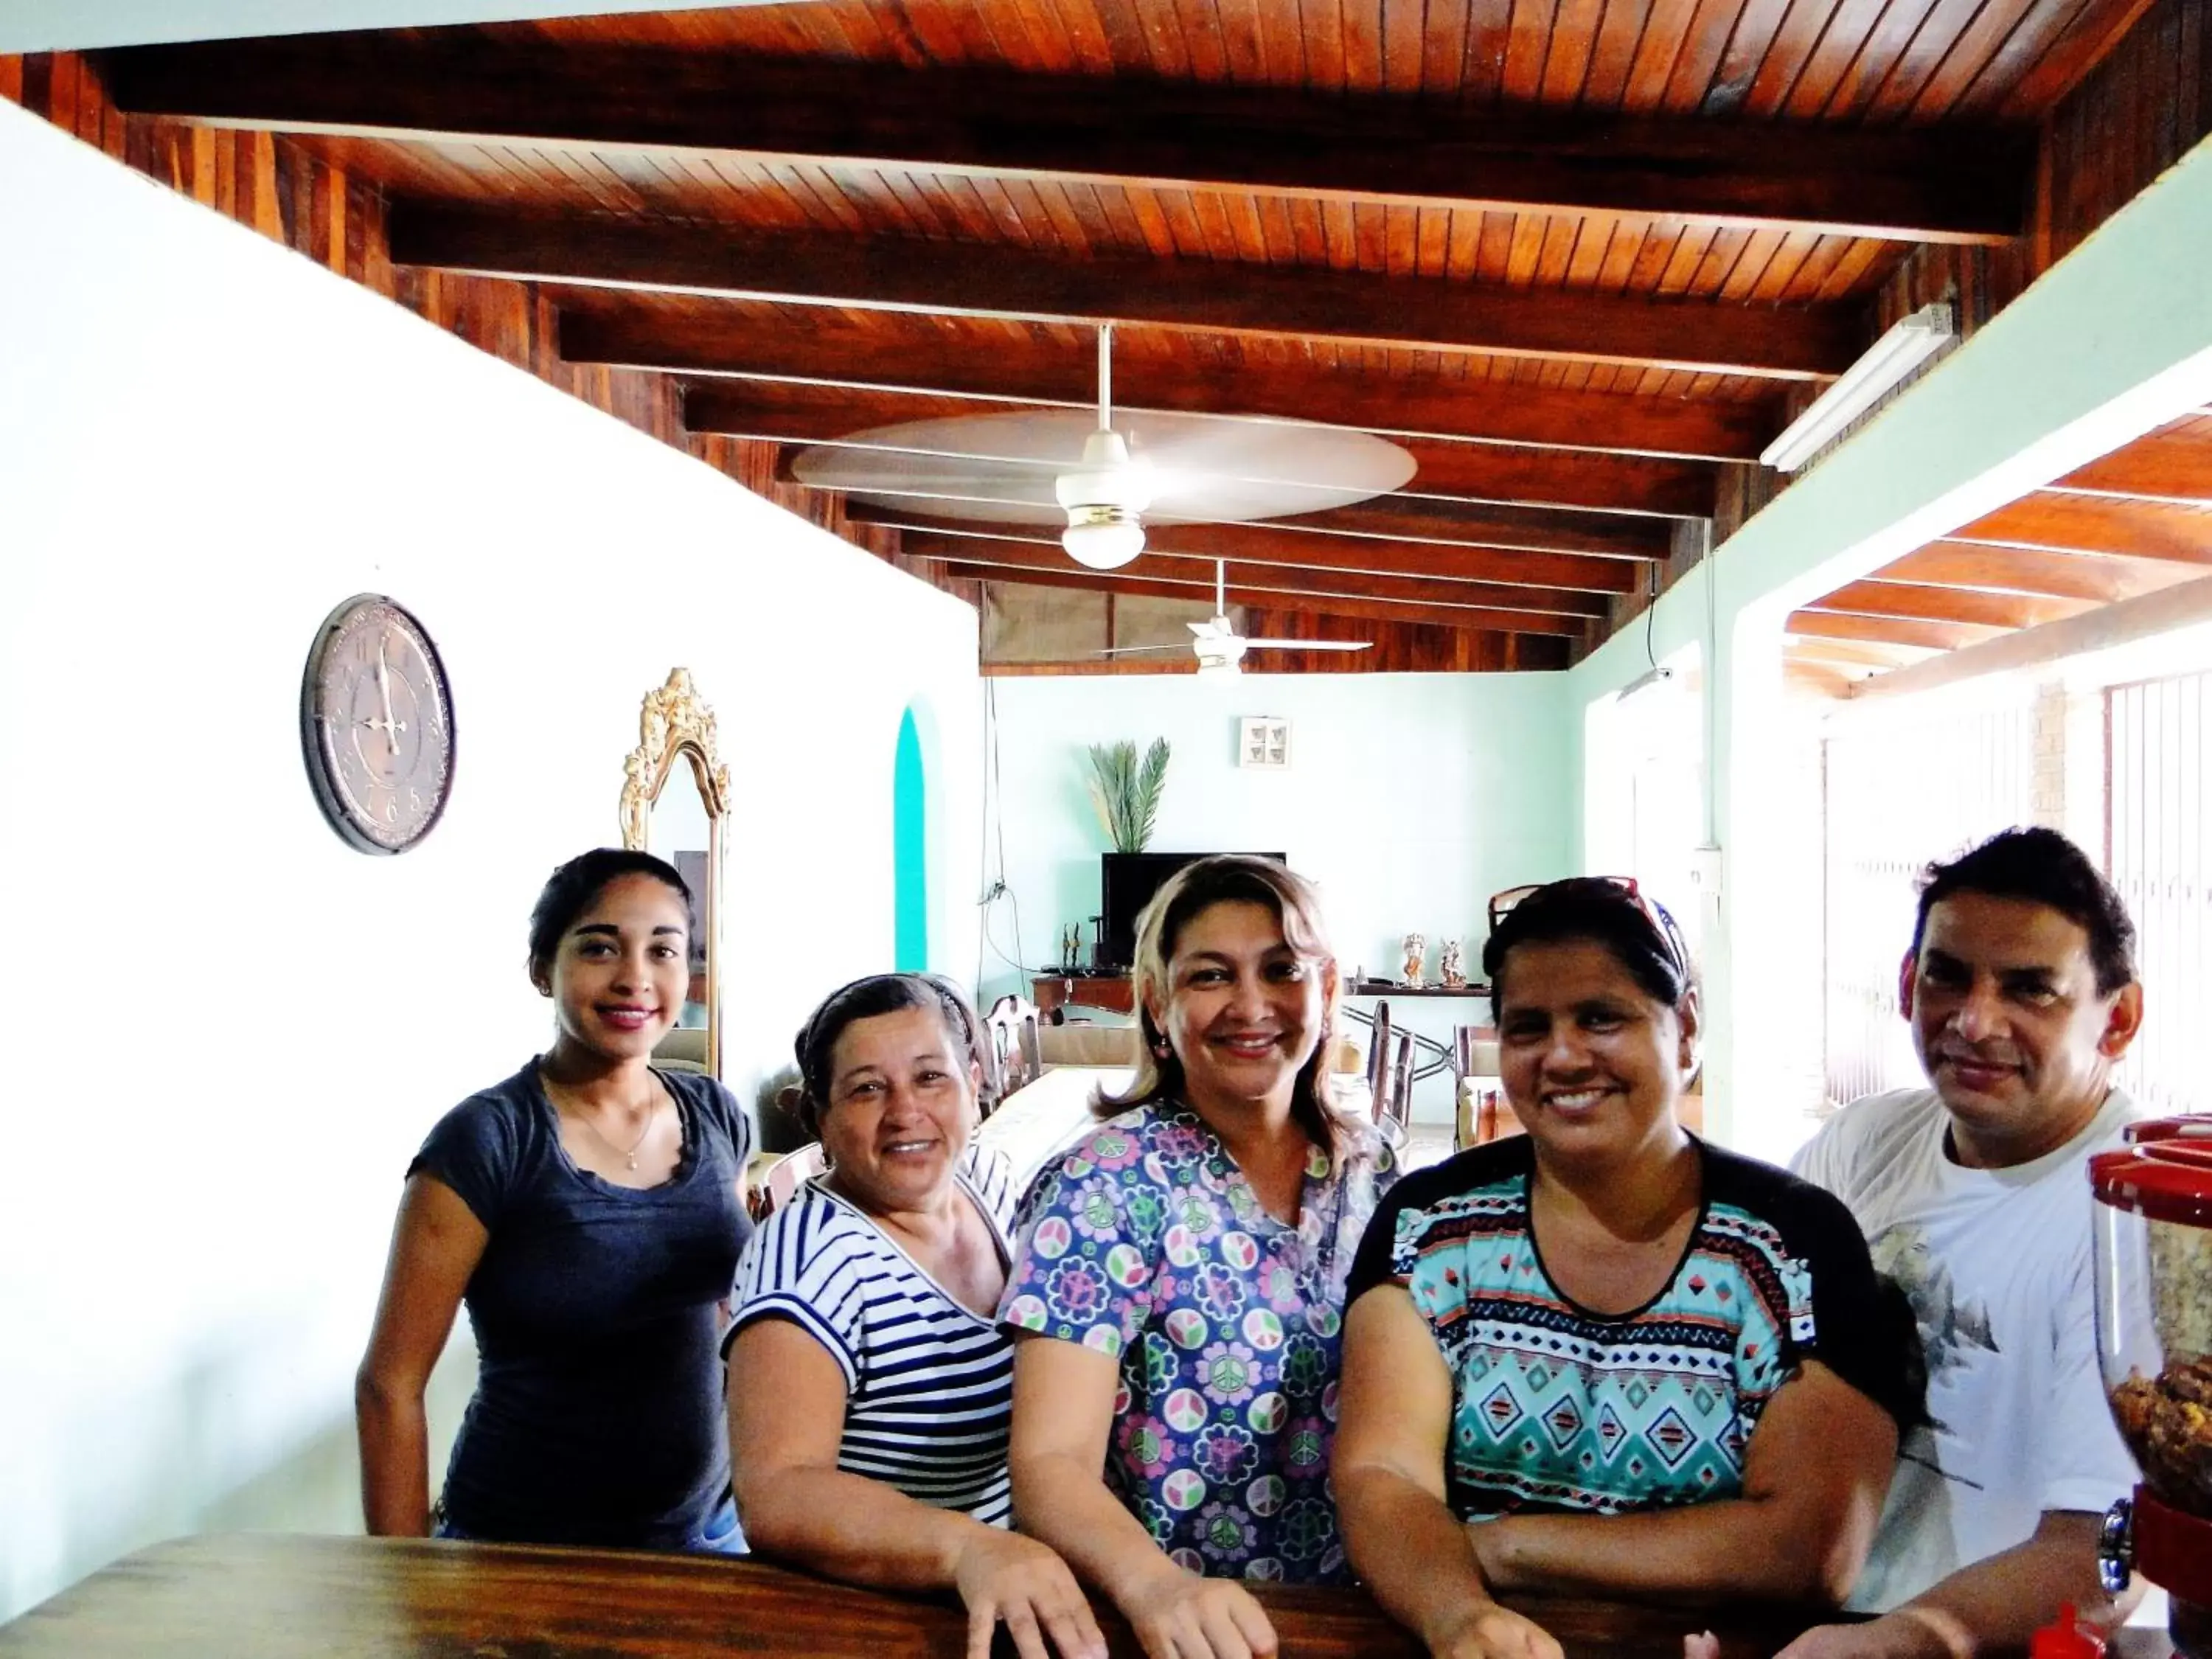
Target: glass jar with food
point(2154, 1344)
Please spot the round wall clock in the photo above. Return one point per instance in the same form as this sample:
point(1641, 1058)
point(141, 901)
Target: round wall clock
point(376, 722)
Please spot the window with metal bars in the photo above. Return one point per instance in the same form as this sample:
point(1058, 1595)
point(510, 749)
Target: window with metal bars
point(2158, 749)
point(1915, 785)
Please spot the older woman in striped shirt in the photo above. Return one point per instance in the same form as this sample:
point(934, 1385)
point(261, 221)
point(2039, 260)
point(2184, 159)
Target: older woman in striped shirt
point(869, 1386)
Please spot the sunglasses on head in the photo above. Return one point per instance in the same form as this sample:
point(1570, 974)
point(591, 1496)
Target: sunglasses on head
point(1620, 888)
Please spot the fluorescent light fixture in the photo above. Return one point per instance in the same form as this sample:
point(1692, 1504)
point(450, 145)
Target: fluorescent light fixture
point(1907, 345)
point(1658, 674)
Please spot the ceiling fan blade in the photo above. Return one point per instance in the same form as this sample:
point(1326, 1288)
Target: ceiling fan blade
point(1138, 650)
point(1308, 645)
point(1206, 468)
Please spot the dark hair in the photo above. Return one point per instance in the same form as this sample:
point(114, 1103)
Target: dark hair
point(2043, 867)
point(815, 1047)
point(1644, 941)
point(571, 889)
point(1230, 878)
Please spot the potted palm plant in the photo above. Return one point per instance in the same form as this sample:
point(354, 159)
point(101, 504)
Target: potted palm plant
point(1127, 791)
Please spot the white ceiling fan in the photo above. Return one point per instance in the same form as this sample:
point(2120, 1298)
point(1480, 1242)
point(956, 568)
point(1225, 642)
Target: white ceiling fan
point(1220, 648)
point(1102, 483)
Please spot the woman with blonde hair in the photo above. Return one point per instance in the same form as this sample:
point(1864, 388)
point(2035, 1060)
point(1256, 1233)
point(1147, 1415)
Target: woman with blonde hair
point(1177, 1295)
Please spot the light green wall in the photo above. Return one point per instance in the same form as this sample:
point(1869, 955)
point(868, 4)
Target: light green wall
point(2113, 341)
point(1410, 798)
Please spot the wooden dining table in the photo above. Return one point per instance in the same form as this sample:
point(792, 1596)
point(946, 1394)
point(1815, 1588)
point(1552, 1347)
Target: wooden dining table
point(264, 1595)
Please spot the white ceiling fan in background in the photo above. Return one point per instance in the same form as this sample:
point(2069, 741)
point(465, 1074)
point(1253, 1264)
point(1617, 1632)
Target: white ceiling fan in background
point(1103, 484)
point(1220, 648)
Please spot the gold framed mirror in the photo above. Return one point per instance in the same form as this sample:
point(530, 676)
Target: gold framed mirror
point(677, 812)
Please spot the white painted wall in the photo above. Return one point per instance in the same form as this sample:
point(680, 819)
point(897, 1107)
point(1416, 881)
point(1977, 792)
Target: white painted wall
point(1410, 798)
point(225, 1031)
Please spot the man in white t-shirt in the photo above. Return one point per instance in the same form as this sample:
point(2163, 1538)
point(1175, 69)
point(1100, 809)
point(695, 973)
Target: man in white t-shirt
point(2021, 991)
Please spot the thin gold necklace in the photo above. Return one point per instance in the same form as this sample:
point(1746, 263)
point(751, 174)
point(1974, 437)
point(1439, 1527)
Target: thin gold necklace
point(628, 1155)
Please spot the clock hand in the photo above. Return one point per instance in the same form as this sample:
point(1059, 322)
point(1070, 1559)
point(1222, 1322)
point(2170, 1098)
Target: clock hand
point(384, 689)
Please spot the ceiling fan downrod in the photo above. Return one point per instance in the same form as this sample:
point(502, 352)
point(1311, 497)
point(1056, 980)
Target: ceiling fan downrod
point(1104, 495)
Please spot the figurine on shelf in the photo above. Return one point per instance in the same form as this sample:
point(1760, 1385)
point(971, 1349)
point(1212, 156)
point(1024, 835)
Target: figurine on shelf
point(1417, 947)
point(1071, 947)
point(1450, 973)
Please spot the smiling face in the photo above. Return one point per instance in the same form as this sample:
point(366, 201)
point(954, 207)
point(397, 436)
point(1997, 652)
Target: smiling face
point(618, 976)
point(1592, 1062)
point(2006, 1015)
point(1244, 1011)
point(901, 1106)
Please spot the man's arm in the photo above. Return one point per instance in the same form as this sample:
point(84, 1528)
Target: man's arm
point(1989, 1607)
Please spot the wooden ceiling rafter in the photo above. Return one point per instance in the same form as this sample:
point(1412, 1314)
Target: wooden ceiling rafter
point(1894, 630)
point(1481, 412)
point(1477, 618)
point(1258, 545)
point(917, 274)
point(1568, 606)
point(1895, 182)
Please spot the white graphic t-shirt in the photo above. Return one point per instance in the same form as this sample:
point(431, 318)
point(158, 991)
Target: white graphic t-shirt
point(1998, 1265)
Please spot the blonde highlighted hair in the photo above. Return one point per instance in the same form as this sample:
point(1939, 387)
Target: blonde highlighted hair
point(1233, 878)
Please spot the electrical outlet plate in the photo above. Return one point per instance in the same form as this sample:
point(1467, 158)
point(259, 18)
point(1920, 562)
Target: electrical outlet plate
point(1705, 871)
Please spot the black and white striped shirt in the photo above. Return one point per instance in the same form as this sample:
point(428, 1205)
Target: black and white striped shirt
point(929, 1384)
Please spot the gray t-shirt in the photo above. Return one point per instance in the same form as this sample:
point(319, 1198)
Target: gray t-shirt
point(597, 1416)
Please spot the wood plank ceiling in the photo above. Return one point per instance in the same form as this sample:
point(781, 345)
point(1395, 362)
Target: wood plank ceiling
point(1574, 255)
point(2137, 521)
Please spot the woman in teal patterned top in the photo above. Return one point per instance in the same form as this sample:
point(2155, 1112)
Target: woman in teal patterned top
point(1178, 1289)
point(1605, 1359)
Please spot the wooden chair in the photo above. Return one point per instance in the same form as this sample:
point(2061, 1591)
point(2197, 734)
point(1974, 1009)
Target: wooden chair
point(1390, 1074)
point(1395, 1110)
point(1378, 1060)
point(785, 1177)
point(1010, 1049)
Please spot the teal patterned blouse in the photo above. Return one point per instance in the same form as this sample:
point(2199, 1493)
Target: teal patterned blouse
point(1557, 1407)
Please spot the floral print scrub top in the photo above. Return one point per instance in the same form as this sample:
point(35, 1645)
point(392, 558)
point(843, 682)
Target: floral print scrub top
point(1145, 1242)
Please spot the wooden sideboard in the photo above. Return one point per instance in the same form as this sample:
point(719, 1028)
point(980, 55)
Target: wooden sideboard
point(1111, 992)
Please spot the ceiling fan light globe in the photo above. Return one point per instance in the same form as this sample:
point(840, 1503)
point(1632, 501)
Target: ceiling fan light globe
point(1102, 538)
point(1218, 668)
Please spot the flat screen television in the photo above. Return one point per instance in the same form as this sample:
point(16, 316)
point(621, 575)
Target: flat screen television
point(1127, 882)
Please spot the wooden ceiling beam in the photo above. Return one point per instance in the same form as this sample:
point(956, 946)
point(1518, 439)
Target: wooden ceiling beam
point(1860, 656)
point(1259, 545)
point(1492, 524)
point(1272, 597)
point(1161, 565)
point(912, 274)
point(1467, 472)
point(1497, 412)
point(2099, 578)
point(2061, 523)
point(2165, 466)
point(1895, 630)
point(1909, 184)
point(1961, 604)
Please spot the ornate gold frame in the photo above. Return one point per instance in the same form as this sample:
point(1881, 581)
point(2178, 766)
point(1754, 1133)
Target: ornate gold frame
point(674, 721)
